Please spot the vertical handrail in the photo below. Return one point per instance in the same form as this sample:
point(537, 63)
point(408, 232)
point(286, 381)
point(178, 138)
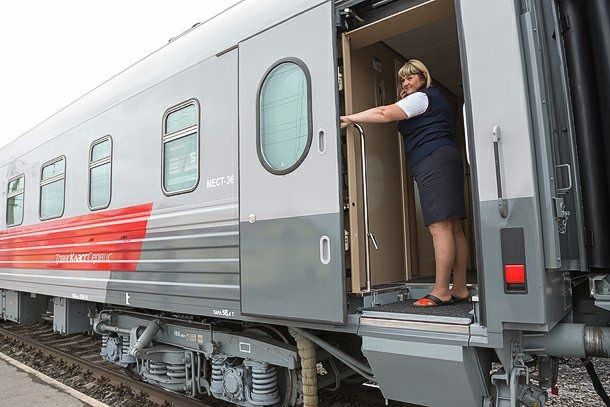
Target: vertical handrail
point(502, 202)
point(365, 198)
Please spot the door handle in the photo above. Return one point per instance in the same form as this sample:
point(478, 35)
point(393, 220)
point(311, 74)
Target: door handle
point(502, 202)
point(325, 250)
point(569, 187)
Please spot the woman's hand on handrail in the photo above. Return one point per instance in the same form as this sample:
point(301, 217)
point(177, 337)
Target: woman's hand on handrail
point(345, 122)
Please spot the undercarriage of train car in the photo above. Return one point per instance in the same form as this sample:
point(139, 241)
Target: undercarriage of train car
point(244, 363)
point(250, 365)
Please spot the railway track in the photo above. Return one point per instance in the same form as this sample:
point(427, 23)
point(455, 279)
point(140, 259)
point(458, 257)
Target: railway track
point(40, 347)
point(82, 351)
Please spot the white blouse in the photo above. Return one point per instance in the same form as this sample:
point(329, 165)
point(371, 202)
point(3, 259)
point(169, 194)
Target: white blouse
point(414, 104)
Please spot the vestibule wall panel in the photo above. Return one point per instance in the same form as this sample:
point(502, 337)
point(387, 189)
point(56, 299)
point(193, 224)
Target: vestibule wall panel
point(374, 84)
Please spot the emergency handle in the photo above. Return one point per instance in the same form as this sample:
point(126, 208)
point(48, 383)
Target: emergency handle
point(502, 202)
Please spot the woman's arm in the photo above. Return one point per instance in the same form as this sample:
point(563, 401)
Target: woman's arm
point(381, 114)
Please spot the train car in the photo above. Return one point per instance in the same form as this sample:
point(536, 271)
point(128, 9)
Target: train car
point(203, 212)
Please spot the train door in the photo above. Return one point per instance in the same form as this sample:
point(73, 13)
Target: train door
point(291, 232)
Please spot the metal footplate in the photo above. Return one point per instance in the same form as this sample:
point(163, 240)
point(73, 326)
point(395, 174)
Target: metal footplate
point(456, 314)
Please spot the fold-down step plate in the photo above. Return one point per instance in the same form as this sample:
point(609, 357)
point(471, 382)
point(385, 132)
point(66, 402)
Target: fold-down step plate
point(458, 314)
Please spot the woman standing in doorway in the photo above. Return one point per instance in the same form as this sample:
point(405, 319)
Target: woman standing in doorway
point(425, 120)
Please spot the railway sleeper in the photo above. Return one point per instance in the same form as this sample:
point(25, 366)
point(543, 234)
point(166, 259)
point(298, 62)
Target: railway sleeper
point(246, 368)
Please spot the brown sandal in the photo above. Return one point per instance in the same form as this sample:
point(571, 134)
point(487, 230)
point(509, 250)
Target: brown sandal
point(458, 300)
point(430, 300)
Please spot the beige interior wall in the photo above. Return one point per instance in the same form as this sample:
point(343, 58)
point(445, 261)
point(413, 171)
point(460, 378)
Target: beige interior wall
point(355, 223)
point(409, 19)
point(374, 84)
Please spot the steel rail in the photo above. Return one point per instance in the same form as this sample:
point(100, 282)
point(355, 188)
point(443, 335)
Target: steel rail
point(155, 394)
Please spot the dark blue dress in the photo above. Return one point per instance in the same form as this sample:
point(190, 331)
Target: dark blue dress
point(434, 160)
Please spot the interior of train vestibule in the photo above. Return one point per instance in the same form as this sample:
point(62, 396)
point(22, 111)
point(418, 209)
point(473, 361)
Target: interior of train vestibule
point(399, 245)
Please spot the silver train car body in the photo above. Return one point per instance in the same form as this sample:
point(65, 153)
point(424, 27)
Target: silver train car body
point(231, 256)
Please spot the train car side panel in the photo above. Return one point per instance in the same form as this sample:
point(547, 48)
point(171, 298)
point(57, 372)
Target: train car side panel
point(176, 253)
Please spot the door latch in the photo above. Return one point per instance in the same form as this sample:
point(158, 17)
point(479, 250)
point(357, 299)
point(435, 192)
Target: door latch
point(561, 215)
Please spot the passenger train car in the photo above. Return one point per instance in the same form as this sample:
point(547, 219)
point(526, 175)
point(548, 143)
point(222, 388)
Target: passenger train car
point(205, 215)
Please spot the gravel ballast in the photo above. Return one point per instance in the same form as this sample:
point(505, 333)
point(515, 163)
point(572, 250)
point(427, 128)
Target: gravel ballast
point(574, 384)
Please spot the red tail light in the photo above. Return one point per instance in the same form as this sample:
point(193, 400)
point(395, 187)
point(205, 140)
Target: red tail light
point(514, 274)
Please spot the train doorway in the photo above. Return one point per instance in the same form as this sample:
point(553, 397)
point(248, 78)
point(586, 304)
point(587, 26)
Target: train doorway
point(389, 245)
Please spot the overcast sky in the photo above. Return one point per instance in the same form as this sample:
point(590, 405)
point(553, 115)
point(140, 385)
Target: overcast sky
point(53, 52)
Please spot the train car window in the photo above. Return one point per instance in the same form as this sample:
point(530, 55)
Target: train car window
point(181, 119)
point(100, 173)
point(52, 188)
point(181, 148)
point(284, 117)
point(14, 201)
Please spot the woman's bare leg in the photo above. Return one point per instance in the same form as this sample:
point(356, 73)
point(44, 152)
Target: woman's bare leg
point(460, 264)
point(444, 254)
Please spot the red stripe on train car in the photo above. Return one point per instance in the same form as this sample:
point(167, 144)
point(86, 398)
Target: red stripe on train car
point(106, 240)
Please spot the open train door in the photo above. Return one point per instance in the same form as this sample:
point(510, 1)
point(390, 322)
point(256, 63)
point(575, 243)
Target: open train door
point(291, 232)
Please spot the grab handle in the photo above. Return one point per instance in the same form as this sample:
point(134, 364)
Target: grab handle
point(502, 202)
point(365, 197)
point(569, 187)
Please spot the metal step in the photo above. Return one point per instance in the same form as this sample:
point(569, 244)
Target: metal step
point(460, 313)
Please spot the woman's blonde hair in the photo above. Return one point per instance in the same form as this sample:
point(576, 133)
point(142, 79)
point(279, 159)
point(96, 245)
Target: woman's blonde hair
point(415, 67)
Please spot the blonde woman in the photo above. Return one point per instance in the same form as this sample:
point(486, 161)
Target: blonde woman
point(425, 120)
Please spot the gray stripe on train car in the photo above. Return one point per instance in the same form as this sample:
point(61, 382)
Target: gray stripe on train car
point(189, 263)
point(85, 285)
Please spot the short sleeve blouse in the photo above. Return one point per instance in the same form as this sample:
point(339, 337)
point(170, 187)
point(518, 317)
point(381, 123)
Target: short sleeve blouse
point(414, 104)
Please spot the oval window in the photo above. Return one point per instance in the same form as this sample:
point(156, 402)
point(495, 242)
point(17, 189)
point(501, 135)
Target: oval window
point(284, 117)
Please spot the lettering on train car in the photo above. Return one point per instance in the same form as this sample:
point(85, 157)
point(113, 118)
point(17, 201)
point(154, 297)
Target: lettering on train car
point(220, 181)
point(224, 313)
point(80, 296)
point(82, 257)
